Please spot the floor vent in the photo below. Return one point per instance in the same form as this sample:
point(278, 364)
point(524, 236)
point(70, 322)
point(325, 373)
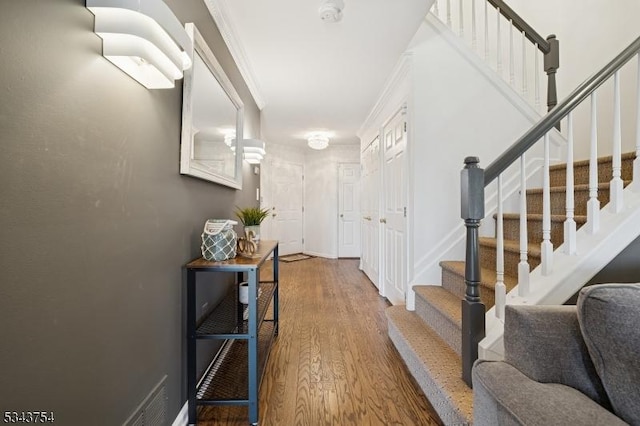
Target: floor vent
point(153, 410)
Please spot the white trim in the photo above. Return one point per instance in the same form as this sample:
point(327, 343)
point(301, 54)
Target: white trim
point(318, 254)
point(391, 88)
point(219, 12)
point(183, 416)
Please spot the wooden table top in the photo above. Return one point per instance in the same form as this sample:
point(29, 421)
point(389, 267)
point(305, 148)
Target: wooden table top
point(264, 249)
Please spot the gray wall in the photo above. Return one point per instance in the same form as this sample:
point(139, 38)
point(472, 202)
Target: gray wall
point(624, 268)
point(95, 219)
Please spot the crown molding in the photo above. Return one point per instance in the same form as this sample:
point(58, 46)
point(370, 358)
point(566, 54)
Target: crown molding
point(219, 12)
point(394, 83)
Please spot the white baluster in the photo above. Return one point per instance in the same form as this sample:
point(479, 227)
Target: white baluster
point(499, 45)
point(474, 29)
point(461, 19)
point(523, 266)
point(500, 290)
point(636, 162)
point(616, 201)
point(570, 223)
point(449, 13)
point(486, 32)
point(593, 205)
point(512, 71)
point(546, 246)
point(525, 89)
point(536, 77)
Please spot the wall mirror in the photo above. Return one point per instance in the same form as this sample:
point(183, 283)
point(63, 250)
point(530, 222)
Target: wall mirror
point(212, 119)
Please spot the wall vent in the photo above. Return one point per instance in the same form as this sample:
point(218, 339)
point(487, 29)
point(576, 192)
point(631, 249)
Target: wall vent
point(153, 410)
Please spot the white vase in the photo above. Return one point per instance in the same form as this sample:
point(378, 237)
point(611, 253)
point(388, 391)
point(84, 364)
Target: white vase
point(243, 295)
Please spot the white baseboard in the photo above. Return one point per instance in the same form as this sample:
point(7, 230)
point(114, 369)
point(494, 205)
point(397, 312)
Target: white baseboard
point(183, 416)
point(317, 254)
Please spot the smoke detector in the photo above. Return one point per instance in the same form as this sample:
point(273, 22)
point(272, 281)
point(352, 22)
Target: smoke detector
point(331, 10)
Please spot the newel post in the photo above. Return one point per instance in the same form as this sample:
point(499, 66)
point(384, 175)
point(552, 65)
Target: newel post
point(551, 65)
point(473, 311)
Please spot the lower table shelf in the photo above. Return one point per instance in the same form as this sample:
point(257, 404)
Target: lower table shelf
point(227, 378)
point(226, 319)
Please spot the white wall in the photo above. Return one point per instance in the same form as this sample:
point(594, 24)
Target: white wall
point(321, 198)
point(591, 33)
point(458, 109)
point(320, 191)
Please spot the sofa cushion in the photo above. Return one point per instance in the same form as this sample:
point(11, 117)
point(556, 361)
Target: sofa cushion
point(609, 317)
point(545, 343)
point(504, 396)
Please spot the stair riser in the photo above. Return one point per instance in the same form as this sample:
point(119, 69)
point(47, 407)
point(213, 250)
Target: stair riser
point(456, 285)
point(511, 260)
point(447, 330)
point(581, 173)
point(559, 205)
point(534, 231)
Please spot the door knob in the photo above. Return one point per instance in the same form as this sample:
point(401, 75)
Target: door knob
point(383, 220)
point(273, 215)
point(341, 215)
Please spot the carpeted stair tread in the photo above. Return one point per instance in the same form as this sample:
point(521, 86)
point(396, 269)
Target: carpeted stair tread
point(601, 160)
point(434, 365)
point(440, 310)
point(538, 217)
point(558, 172)
point(511, 245)
point(580, 187)
point(488, 277)
point(447, 303)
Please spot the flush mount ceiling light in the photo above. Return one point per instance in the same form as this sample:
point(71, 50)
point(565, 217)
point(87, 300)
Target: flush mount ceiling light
point(318, 141)
point(253, 150)
point(143, 38)
point(331, 10)
point(230, 138)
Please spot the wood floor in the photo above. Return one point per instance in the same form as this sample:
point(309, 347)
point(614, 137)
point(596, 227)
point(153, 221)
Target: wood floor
point(332, 363)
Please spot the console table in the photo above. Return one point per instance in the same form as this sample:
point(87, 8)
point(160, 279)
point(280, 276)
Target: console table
point(234, 375)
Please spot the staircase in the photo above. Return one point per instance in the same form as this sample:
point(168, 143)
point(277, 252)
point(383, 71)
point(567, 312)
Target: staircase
point(429, 339)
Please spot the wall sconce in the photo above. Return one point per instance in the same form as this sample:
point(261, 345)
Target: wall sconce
point(318, 141)
point(144, 39)
point(253, 150)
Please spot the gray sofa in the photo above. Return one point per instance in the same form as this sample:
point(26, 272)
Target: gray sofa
point(566, 365)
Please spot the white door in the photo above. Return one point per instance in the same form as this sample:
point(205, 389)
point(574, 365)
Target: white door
point(370, 184)
point(393, 218)
point(283, 194)
point(349, 221)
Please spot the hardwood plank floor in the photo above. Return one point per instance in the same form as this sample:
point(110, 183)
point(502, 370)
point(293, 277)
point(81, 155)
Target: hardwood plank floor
point(333, 362)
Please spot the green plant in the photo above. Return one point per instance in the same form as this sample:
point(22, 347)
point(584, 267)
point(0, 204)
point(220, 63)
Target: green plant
point(251, 216)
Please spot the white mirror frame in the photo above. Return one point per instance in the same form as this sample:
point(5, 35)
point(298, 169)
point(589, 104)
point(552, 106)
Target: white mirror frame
point(187, 164)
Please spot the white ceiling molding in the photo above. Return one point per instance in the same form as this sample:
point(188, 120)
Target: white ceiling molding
point(218, 10)
point(393, 88)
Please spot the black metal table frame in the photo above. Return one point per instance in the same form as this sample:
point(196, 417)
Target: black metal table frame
point(253, 273)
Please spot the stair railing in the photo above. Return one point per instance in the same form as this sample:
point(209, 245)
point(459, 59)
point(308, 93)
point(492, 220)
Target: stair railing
point(474, 180)
point(482, 27)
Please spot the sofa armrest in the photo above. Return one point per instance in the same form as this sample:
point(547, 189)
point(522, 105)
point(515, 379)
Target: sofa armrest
point(545, 343)
point(504, 396)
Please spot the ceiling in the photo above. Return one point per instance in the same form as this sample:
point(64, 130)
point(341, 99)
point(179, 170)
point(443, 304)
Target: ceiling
point(309, 75)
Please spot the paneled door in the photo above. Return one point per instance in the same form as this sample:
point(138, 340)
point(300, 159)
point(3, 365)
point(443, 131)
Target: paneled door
point(393, 220)
point(283, 194)
point(370, 206)
point(349, 221)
